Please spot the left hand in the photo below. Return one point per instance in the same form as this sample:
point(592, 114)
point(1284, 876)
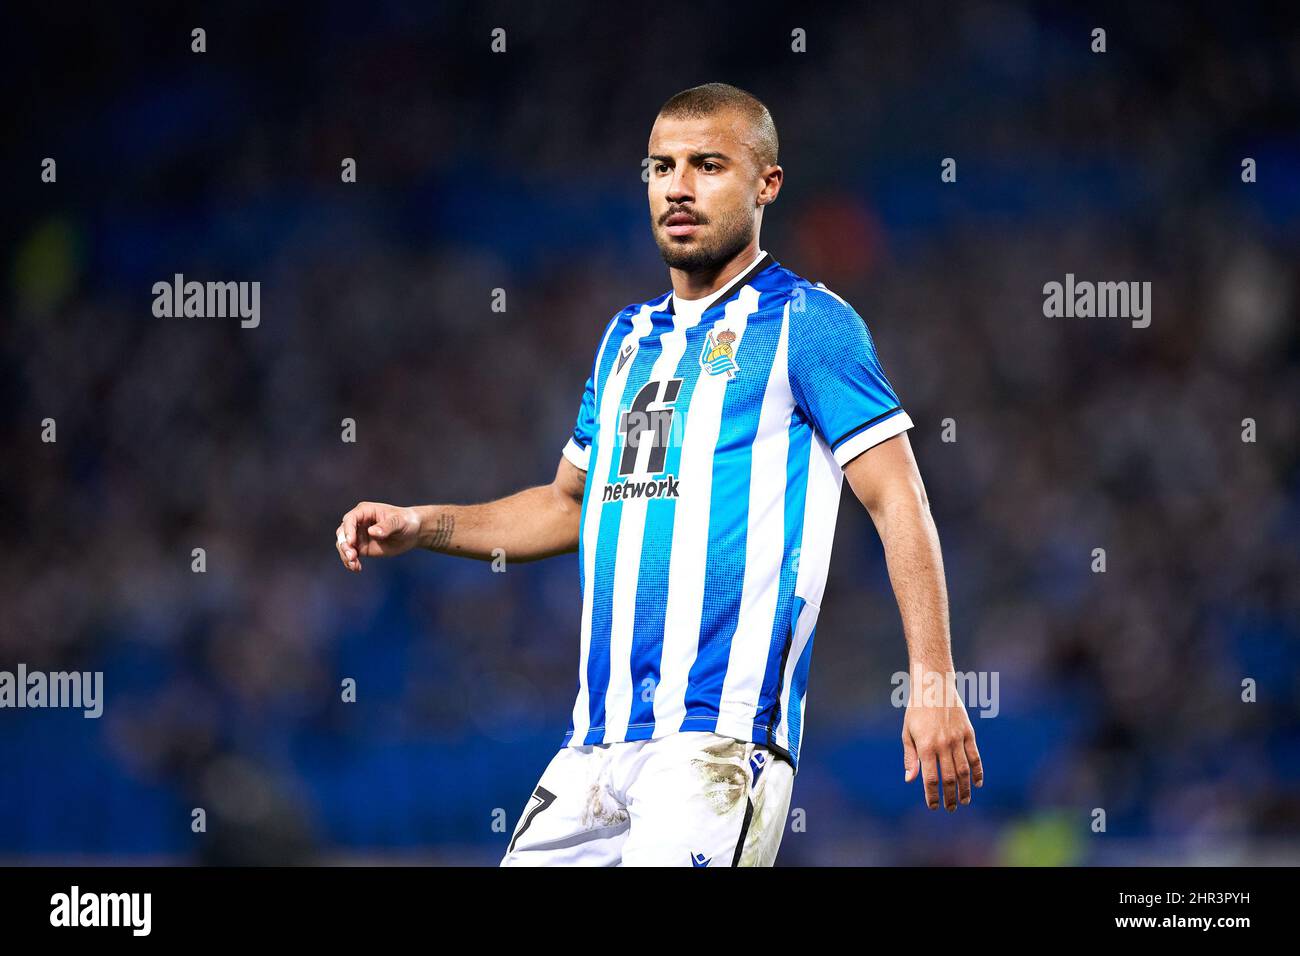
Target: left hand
point(939, 742)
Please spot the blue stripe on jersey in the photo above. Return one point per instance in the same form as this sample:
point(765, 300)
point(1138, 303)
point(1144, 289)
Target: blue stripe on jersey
point(598, 663)
point(649, 347)
point(787, 606)
point(729, 520)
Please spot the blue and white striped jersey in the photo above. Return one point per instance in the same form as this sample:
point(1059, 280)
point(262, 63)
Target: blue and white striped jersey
point(713, 433)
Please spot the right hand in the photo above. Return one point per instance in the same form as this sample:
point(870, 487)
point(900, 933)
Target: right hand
point(375, 530)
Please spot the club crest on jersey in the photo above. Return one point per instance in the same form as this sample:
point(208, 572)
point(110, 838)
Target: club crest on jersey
point(718, 356)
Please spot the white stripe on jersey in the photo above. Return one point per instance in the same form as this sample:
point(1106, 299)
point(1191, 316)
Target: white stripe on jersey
point(627, 562)
point(822, 505)
point(685, 605)
point(802, 631)
point(764, 553)
point(608, 411)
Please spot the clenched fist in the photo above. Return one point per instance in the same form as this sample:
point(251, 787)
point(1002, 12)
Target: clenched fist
point(375, 530)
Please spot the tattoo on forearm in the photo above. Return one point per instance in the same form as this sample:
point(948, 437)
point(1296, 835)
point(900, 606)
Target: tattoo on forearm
point(442, 532)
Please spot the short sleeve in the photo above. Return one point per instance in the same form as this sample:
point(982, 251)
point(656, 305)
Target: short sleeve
point(578, 449)
point(836, 378)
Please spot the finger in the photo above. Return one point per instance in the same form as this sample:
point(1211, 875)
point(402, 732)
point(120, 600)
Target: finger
point(930, 771)
point(976, 765)
point(363, 535)
point(382, 528)
point(910, 762)
point(348, 555)
point(949, 773)
point(350, 525)
point(963, 774)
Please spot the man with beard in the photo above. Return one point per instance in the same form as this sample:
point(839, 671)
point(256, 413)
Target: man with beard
point(701, 487)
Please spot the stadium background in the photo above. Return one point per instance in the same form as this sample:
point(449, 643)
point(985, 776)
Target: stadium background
point(522, 171)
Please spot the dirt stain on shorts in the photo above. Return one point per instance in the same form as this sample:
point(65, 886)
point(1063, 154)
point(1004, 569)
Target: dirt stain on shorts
point(601, 809)
point(770, 811)
point(722, 770)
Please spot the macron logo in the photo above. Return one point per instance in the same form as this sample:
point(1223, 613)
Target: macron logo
point(622, 359)
point(103, 909)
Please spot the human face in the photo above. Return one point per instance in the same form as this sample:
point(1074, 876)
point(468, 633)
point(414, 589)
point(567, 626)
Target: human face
point(704, 189)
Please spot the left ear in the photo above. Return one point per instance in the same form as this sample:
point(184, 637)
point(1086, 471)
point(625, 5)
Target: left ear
point(772, 178)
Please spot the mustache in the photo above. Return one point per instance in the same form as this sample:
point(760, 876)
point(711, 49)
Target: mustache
point(696, 216)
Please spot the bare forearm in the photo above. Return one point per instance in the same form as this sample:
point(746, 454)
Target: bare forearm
point(938, 740)
point(915, 564)
point(531, 524)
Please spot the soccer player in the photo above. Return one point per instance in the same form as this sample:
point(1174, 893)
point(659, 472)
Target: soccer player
point(700, 488)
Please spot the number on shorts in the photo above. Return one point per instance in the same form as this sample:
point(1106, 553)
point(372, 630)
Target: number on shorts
point(544, 799)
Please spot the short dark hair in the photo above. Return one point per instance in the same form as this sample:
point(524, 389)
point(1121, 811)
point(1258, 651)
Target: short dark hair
point(711, 98)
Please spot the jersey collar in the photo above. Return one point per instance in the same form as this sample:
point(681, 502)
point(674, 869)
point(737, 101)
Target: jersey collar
point(761, 262)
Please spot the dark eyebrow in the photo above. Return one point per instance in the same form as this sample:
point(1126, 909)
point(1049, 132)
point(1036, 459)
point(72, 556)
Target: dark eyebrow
point(694, 157)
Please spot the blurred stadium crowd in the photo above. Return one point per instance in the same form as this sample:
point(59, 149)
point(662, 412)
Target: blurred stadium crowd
point(521, 171)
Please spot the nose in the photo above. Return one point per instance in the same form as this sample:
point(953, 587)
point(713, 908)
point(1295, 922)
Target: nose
point(679, 190)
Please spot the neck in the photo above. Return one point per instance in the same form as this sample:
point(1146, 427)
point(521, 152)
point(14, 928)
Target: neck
point(696, 285)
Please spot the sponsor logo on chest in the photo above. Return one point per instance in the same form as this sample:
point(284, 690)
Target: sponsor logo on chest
point(653, 423)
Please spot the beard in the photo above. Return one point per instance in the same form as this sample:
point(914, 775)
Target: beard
point(731, 234)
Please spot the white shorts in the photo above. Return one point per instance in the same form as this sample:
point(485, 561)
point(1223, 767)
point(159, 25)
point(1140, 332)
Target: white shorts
point(688, 799)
